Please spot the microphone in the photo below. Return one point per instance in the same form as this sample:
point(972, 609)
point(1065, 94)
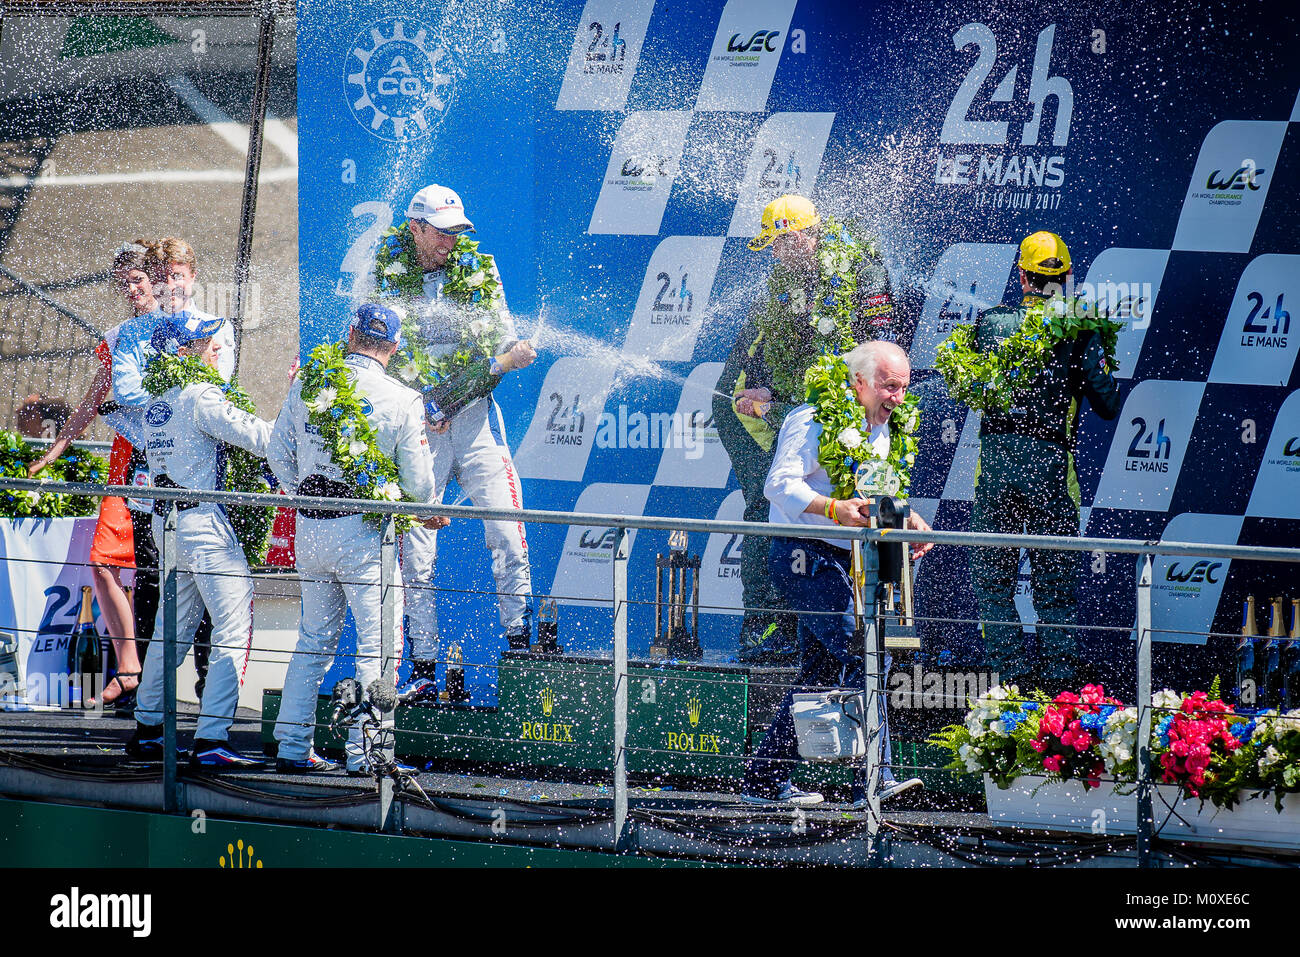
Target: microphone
point(344, 700)
point(382, 695)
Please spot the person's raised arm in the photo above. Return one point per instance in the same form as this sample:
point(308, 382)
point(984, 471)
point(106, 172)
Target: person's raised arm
point(77, 424)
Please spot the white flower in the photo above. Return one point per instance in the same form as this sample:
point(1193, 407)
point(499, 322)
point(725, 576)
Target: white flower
point(798, 302)
point(395, 269)
point(324, 400)
point(478, 328)
point(997, 693)
point(843, 262)
point(999, 728)
point(356, 448)
point(910, 458)
point(909, 420)
point(826, 325)
point(408, 371)
point(475, 279)
point(1271, 757)
point(390, 491)
point(1165, 701)
point(850, 438)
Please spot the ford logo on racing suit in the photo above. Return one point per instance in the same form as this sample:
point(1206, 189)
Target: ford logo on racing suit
point(158, 414)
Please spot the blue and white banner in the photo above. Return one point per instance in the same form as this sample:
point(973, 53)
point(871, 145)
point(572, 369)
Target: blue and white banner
point(615, 156)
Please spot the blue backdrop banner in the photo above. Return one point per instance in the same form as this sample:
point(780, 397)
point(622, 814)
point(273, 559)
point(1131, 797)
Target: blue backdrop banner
point(615, 156)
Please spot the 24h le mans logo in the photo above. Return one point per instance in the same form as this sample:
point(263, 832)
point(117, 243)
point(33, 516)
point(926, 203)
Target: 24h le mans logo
point(404, 85)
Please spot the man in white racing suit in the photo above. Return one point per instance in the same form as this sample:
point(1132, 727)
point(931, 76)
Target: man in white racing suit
point(339, 552)
point(184, 431)
point(470, 446)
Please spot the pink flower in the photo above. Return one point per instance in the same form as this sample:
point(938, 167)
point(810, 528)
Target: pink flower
point(1052, 762)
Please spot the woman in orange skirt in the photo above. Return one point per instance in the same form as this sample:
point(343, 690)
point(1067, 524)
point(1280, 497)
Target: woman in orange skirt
point(113, 547)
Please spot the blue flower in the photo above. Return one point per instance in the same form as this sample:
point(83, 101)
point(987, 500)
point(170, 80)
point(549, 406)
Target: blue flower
point(783, 297)
point(848, 462)
point(1029, 706)
point(1092, 722)
point(845, 237)
point(363, 480)
point(73, 460)
point(478, 294)
point(336, 412)
point(1106, 711)
point(1242, 730)
point(1162, 729)
point(1012, 373)
point(468, 260)
point(829, 301)
point(946, 656)
point(836, 282)
point(1047, 323)
point(953, 346)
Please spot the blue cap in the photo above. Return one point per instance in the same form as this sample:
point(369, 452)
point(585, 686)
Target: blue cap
point(378, 322)
point(181, 329)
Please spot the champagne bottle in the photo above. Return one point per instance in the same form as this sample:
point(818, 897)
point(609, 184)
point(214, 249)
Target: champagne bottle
point(1247, 688)
point(85, 653)
point(1291, 662)
point(444, 398)
point(455, 680)
point(1269, 660)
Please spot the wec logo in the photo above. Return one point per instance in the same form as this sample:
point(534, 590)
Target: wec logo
point(1201, 571)
point(1242, 178)
point(1292, 446)
point(760, 42)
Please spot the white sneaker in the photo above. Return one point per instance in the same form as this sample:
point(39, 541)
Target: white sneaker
point(888, 790)
point(791, 795)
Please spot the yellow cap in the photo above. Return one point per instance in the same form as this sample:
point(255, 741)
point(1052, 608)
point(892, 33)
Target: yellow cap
point(784, 214)
point(1038, 250)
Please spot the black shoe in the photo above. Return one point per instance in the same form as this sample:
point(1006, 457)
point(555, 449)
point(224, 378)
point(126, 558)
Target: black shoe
point(219, 756)
point(146, 743)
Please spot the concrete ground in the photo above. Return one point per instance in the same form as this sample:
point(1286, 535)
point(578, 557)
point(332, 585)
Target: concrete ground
point(123, 127)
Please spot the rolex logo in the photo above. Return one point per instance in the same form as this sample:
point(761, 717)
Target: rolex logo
point(548, 701)
point(243, 857)
point(693, 709)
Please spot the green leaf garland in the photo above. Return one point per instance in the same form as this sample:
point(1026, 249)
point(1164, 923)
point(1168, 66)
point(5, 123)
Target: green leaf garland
point(844, 448)
point(334, 407)
point(470, 281)
point(75, 465)
point(245, 472)
point(794, 329)
point(990, 381)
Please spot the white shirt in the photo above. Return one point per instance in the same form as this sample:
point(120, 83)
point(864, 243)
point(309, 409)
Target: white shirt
point(796, 477)
point(396, 413)
point(184, 429)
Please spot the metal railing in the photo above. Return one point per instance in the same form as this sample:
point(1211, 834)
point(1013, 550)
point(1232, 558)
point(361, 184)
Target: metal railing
point(622, 525)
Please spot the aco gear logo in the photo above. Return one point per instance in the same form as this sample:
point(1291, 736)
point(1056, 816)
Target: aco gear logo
point(405, 82)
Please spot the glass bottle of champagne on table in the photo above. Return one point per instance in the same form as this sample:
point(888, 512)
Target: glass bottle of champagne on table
point(1247, 687)
point(85, 653)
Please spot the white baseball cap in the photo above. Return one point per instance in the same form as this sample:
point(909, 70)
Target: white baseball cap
point(441, 208)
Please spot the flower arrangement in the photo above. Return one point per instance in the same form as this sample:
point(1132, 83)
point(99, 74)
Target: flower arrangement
point(471, 281)
point(988, 381)
point(824, 322)
point(245, 472)
point(76, 465)
point(1070, 732)
point(995, 739)
point(1198, 743)
point(334, 407)
point(843, 450)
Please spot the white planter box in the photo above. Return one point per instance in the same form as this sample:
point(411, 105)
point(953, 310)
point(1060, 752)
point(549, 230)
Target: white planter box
point(1066, 806)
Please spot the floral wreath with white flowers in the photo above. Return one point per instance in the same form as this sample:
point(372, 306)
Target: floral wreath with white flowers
point(334, 407)
point(788, 346)
point(76, 465)
point(988, 381)
point(471, 280)
point(245, 472)
point(843, 450)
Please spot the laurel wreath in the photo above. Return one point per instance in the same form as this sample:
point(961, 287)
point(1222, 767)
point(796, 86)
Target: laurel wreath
point(334, 407)
point(843, 450)
point(245, 472)
point(789, 348)
point(77, 465)
point(985, 381)
point(471, 281)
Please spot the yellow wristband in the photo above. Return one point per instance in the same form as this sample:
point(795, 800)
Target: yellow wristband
point(829, 511)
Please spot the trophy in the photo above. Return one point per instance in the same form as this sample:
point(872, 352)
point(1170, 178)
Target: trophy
point(673, 638)
point(548, 629)
point(879, 481)
point(455, 679)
